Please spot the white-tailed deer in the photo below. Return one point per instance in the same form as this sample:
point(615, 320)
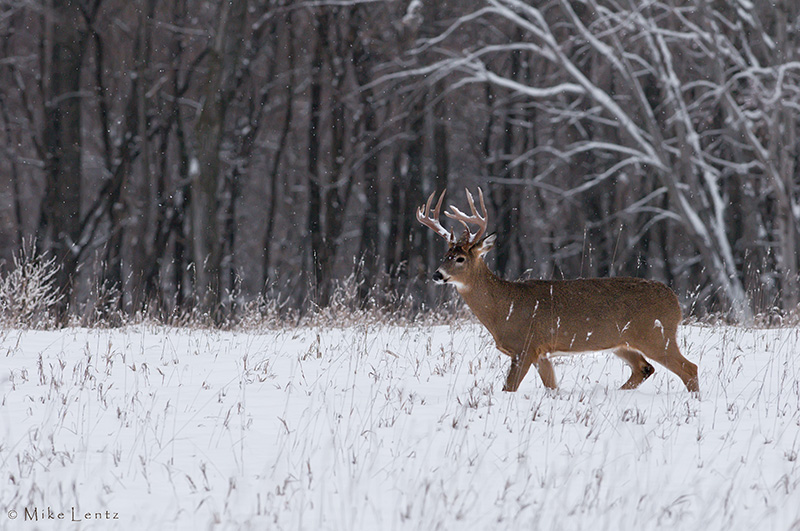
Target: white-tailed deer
point(530, 320)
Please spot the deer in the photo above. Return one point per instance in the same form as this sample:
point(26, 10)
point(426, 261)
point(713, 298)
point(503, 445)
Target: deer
point(531, 320)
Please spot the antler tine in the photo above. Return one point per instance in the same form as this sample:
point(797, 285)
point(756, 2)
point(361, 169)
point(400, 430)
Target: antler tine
point(475, 218)
point(483, 218)
point(431, 221)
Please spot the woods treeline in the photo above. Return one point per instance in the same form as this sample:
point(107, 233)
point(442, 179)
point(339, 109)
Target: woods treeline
point(175, 154)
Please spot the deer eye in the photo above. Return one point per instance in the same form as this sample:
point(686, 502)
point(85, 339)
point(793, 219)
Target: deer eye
point(460, 260)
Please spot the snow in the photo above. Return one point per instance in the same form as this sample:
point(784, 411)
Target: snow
point(413, 13)
point(389, 427)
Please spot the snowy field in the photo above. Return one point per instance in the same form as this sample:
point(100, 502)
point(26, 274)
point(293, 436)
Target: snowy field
point(384, 427)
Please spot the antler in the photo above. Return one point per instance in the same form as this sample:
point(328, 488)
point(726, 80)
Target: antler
point(432, 221)
point(475, 218)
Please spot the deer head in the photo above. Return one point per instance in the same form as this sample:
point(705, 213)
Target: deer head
point(464, 257)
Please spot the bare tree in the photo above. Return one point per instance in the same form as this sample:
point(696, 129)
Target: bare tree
point(612, 138)
point(60, 223)
point(659, 114)
point(222, 62)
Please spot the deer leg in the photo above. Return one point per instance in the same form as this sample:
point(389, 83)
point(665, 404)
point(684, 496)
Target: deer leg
point(517, 371)
point(641, 370)
point(685, 369)
point(545, 367)
point(667, 353)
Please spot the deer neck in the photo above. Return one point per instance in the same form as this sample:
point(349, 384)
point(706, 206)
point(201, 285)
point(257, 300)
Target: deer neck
point(484, 294)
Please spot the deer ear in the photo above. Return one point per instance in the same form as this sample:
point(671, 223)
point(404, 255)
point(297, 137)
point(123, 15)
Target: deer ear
point(486, 244)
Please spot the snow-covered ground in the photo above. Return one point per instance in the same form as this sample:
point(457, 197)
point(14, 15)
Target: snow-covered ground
point(383, 427)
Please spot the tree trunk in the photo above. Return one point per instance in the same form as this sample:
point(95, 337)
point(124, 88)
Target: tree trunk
point(223, 59)
point(60, 224)
point(329, 190)
point(315, 185)
point(369, 250)
point(274, 177)
point(785, 143)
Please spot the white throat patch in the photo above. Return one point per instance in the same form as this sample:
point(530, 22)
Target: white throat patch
point(462, 288)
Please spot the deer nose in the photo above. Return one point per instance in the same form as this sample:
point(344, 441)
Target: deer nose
point(438, 277)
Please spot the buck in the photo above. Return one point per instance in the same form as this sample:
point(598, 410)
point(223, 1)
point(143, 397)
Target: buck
point(532, 319)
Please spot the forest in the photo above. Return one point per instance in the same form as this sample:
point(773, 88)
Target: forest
point(205, 156)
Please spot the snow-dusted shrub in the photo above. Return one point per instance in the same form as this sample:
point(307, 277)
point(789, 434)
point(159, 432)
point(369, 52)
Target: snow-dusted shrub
point(28, 292)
